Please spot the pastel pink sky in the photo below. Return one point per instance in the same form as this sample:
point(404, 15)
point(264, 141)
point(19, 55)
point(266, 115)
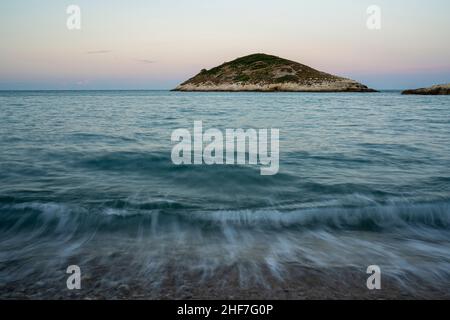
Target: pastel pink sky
point(157, 44)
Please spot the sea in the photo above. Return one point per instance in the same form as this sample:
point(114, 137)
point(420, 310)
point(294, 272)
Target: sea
point(87, 179)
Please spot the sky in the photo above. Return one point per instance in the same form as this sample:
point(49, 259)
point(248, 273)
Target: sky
point(156, 44)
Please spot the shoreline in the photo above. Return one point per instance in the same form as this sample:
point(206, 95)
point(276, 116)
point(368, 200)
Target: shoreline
point(302, 284)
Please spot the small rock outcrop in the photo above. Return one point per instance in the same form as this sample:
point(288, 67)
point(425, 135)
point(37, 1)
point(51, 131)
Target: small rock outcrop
point(440, 89)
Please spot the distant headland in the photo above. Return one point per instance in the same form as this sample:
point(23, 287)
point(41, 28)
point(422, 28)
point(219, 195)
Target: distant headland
point(267, 73)
point(440, 89)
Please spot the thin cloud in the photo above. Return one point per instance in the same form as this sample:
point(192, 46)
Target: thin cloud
point(98, 52)
point(145, 61)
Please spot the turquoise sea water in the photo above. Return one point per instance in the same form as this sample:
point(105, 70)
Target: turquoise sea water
point(364, 179)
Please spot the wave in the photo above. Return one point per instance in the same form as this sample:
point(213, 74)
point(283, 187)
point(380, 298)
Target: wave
point(146, 244)
point(123, 214)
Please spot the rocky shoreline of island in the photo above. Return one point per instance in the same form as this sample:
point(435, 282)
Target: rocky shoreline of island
point(283, 87)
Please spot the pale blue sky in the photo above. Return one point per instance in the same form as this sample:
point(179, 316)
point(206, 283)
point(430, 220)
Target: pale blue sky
point(156, 44)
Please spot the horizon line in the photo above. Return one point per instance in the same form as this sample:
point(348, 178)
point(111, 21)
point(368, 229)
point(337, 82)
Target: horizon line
point(3, 90)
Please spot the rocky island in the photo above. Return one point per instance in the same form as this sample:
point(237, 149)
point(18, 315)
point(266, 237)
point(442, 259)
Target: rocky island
point(267, 73)
point(440, 89)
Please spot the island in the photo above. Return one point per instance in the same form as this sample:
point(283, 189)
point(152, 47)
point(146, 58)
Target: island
point(440, 89)
point(268, 73)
